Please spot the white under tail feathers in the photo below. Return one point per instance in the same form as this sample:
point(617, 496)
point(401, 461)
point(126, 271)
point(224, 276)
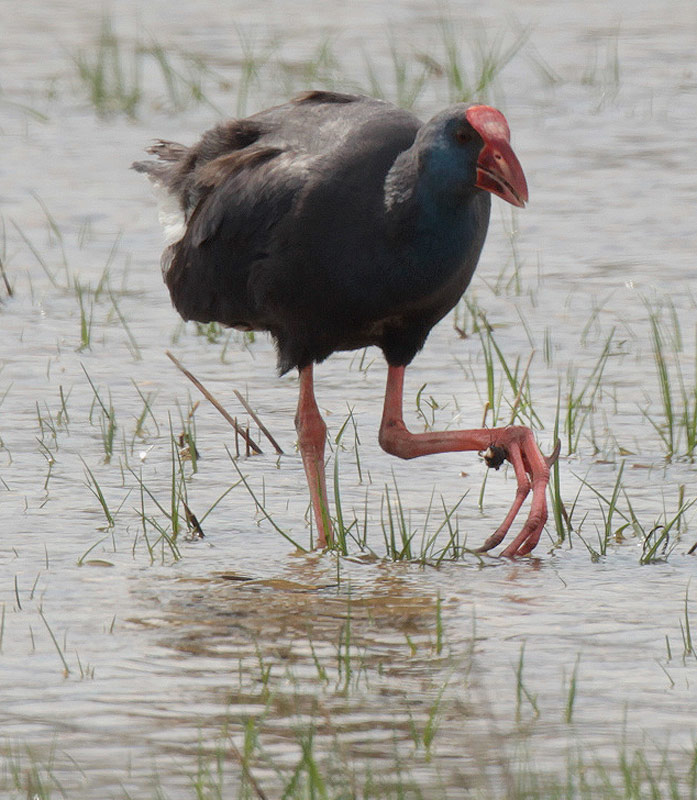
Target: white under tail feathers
point(170, 213)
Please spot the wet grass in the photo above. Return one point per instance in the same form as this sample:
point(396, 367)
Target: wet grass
point(112, 79)
point(322, 771)
point(241, 757)
point(103, 409)
point(504, 376)
point(508, 401)
point(140, 469)
point(382, 526)
point(122, 74)
point(676, 422)
point(488, 58)
point(112, 74)
point(130, 73)
point(95, 488)
point(581, 397)
point(620, 523)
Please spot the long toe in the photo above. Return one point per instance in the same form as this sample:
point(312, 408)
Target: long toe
point(532, 472)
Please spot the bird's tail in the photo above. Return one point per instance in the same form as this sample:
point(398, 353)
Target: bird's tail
point(168, 155)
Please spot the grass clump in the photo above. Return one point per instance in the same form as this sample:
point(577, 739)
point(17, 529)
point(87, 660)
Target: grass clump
point(676, 425)
point(488, 59)
point(113, 74)
point(119, 76)
point(620, 522)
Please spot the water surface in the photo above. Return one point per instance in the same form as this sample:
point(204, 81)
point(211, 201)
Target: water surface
point(160, 662)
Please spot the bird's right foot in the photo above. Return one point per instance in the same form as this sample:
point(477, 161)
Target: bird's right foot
point(518, 446)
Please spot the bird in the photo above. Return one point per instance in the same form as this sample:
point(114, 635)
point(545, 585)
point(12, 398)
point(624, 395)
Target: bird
point(339, 221)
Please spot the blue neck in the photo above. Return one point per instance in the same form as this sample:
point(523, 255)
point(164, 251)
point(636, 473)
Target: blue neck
point(440, 221)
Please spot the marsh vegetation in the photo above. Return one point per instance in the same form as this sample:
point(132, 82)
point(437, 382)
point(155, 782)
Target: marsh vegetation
point(166, 629)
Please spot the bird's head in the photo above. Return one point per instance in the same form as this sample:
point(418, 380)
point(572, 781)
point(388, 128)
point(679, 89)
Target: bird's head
point(471, 146)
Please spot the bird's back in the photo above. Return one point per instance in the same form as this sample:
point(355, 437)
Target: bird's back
point(284, 229)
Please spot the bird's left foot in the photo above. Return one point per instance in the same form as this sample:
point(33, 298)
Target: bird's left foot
point(517, 445)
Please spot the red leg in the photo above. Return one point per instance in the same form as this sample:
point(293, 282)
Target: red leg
point(312, 434)
point(530, 466)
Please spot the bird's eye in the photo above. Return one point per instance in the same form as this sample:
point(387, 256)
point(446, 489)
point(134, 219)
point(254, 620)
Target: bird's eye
point(464, 135)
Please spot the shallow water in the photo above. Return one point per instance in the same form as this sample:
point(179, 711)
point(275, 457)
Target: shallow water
point(157, 659)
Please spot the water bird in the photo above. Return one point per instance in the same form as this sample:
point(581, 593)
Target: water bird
point(337, 221)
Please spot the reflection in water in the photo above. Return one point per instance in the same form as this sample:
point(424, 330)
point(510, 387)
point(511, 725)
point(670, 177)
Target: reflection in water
point(362, 670)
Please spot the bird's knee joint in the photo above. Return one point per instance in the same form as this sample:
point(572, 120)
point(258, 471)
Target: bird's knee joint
point(388, 443)
point(392, 440)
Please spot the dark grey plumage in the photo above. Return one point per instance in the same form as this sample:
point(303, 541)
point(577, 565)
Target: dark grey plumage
point(333, 221)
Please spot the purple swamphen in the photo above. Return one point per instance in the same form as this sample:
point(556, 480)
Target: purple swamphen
point(335, 222)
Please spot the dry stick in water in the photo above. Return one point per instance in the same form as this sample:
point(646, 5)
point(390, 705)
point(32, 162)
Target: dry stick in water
point(4, 277)
point(245, 768)
point(252, 445)
point(261, 425)
point(193, 522)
